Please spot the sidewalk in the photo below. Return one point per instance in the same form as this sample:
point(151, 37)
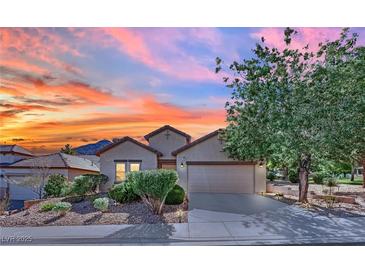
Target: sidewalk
point(286, 227)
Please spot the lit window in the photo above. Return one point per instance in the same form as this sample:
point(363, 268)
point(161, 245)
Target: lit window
point(134, 166)
point(120, 169)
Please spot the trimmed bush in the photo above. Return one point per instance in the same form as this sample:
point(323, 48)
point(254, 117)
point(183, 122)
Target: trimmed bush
point(82, 185)
point(175, 196)
point(54, 185)
point(47, 207)
point(271, 176)
point(62, 207)
point(123, 193)
point(101, 204)
point(66, 190)
point(153, 186)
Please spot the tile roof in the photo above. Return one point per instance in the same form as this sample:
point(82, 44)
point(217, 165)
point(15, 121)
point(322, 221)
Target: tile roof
point(167, 127)
point(125, 139)
point(15, 149)
point(58, 160)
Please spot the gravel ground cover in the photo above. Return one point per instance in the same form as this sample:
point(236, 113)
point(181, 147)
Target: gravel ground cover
point(321, 207)
point(83, 213)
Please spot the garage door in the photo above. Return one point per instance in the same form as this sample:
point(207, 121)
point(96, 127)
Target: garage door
point(221, 178)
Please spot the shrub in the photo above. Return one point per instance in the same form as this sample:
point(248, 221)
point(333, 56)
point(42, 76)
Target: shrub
point(271, 176)
point(62, 207)
point(331, 182)
point(153, 186)
point(66, 190)
point(97, 180)
point(101, 204)
point(47, 207)
point(175, 196)
point(82, 185)
point(54, 185)
point(318, 177)
point(123, 193)
point(293, 176)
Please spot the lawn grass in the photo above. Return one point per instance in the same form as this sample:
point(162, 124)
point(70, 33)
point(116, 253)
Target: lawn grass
point(357, 181)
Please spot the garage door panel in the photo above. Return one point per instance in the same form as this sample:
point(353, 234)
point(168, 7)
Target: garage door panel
point(221, 178)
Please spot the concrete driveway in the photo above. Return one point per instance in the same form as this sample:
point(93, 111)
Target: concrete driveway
point(228, 207)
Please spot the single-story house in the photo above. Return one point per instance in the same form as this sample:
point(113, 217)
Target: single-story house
point(14, 175)
point(10, 154)
point(202, 165)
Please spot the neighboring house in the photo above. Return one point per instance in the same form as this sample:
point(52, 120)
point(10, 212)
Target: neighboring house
point(10, 154)
point(58, 163)
point(202, 165)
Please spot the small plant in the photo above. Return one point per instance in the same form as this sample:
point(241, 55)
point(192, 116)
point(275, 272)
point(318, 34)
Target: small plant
point(330, 200)
point(54, 185)
point(175, 196)
point(62, 208)
point(180, 215)
point(47, 207)
point(279, 196)
point(101, 204)
point(331, 182)
point(123, 193)
point(271, 176)
point(82, 185)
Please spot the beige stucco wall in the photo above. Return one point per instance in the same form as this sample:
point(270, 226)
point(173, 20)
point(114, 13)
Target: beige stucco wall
point(72, 173)
point(167, 145)
point(260, 178)
point(212, 150)
point(125, 151)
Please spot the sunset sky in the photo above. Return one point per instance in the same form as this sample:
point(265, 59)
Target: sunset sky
point(78, 86)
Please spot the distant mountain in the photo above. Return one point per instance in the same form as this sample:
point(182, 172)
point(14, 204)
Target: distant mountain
point(91, 149)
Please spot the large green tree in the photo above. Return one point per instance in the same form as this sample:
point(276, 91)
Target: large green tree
point(297, 105)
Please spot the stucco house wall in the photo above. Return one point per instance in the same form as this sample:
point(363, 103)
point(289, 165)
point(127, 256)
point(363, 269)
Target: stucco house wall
point(165, 144)
point(212, 150)
point(125, 151)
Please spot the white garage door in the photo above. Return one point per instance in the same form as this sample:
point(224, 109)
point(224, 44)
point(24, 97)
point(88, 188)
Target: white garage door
point(221, 178)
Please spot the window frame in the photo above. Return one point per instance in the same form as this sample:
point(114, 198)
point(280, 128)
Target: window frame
point(127, 168)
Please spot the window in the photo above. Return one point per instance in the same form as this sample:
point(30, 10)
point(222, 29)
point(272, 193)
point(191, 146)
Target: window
point(125, 166)
point(134, 166)
point(120, 169)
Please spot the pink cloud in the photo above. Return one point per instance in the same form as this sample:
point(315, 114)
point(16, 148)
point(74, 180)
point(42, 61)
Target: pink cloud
point(311, 36)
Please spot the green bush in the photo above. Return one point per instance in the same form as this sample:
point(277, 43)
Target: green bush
point(175, 196)
point(123, 193)
point(271, 176)
point(66, 190)
point(62, 207)
point(293, 176)
point(101, 204)
point(82, 185)
point(47, 207)
point(97, 180)
point(318, 177)
point(54, 185)
point(153, 186)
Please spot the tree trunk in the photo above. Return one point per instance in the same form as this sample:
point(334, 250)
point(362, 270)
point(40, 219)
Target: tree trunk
point(286, 173)
point(353, 173)
point(304, 166)
point(363, 173)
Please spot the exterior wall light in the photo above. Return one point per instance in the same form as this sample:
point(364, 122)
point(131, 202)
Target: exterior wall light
point(183, 160)
point(261, 163)
point(182, 165)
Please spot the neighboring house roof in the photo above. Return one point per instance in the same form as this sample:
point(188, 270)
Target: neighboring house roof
point(93, 158)
point(125, 139)
point(167, 127)
point(15, 149)
point(57, 160)
point(197, 141)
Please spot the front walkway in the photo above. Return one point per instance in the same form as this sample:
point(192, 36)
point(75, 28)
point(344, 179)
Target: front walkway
point(285, 225)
